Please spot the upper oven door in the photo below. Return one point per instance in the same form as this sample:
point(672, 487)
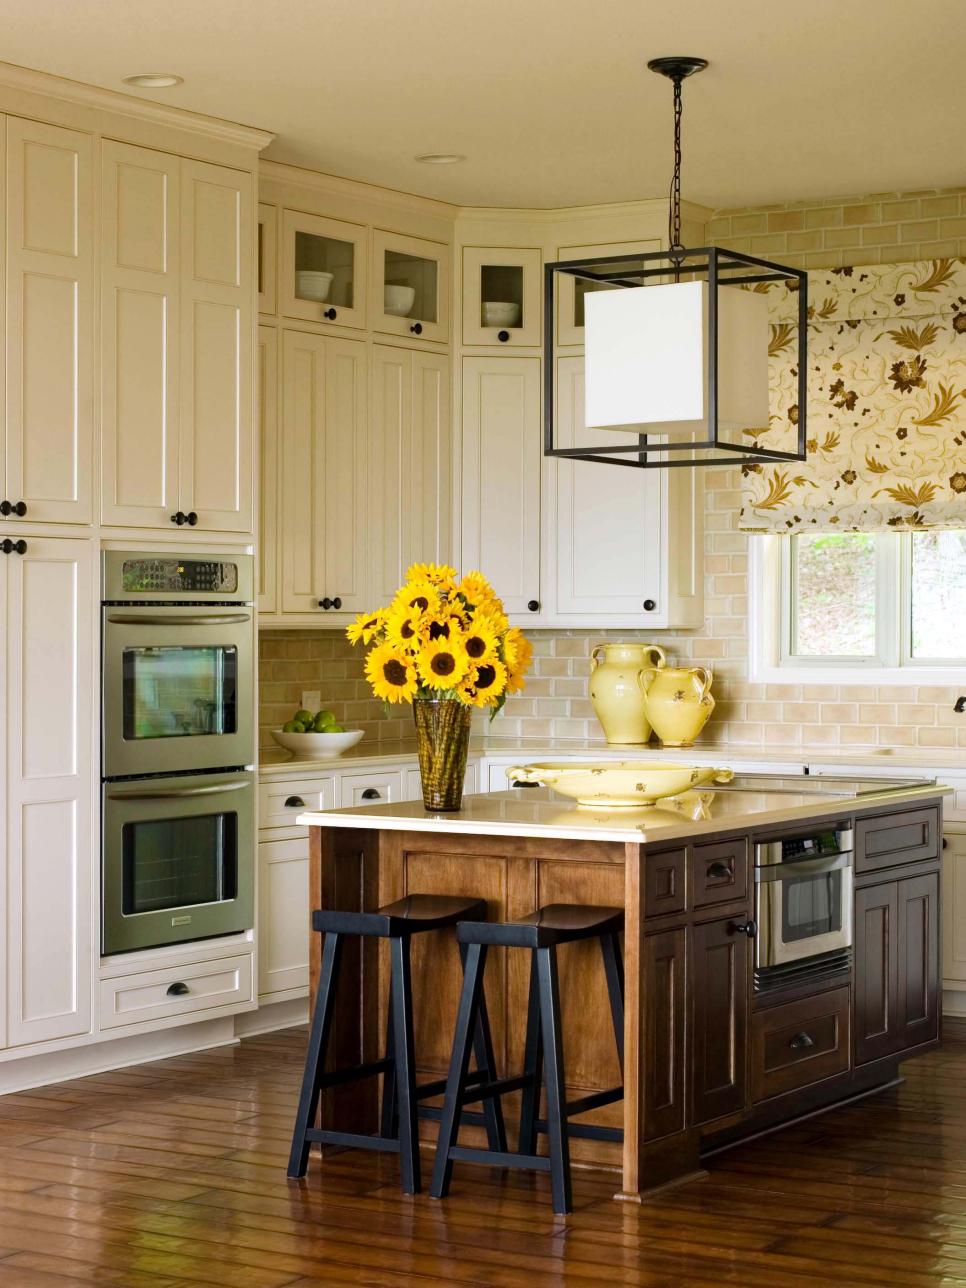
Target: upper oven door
point(178, 688)
point(804, 909)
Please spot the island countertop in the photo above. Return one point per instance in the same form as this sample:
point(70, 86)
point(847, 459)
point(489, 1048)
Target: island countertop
point(539, 812)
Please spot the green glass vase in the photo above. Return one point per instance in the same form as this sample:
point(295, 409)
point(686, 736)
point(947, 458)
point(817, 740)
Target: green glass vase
point(442, 741)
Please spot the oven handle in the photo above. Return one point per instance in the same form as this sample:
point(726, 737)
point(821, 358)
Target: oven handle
point(196, 619)
point(170, 794)
point(806, 868)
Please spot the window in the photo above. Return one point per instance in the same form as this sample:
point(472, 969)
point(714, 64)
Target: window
point(851, 602)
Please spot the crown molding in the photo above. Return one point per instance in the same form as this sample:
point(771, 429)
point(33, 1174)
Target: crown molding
point(354, 189)
point(600, 210)
point(29, 81)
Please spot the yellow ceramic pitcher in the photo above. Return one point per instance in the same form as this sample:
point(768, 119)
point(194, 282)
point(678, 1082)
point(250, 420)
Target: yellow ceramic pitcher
point(614, 690)
point(677, 702)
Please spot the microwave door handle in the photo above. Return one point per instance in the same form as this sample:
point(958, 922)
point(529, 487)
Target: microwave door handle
point(196, 619)
point(170, 794)
point(805, 868)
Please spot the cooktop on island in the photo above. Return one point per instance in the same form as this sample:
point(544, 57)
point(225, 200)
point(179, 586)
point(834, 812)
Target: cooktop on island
point(841, 785)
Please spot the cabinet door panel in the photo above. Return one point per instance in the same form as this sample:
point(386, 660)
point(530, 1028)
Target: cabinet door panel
point(216, 441)
point(876, 971)
point(140, 324)
point(50, 845)
point(502, 458)
point(719, 984)
point(664, 1051)
point(268, 466)
point(918, 1008)
point(50, 322)
point(284, 916)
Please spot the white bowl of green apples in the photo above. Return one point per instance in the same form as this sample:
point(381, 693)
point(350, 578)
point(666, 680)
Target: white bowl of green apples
point(315, 735)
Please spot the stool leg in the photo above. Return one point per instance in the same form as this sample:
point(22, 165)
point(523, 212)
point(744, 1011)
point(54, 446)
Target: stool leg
point(486, 1063)
point(554, 1075)
point(389, 1119)
point(459, 1063)
point(610, 947)
point(315, 1055)
point(405, 1064)
point(532, 1066)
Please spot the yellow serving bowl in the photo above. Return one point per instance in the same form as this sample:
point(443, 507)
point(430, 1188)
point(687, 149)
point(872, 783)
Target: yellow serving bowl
point(618, 782)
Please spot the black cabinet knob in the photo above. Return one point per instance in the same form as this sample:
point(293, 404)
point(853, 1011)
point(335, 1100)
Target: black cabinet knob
point(330, 603)
point(533, 605)
point(294, 802)
point(370, 794)
point(192, 518)
point(9, 507)
point(6, 545)
point(337, 602)
point(503, 336)
point(800, 1042)
point(13, 547)
point(650, 605)
point(417, 328)
point(178, 989)
point(330, 314)
point(749, 928)
point(20, 547)
point(180, 518)
point(5, 508)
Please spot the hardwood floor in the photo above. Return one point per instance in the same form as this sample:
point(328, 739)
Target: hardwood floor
point(173, 1173)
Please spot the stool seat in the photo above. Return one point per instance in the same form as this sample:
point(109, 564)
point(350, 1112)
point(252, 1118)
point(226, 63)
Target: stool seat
point(409, 916)
point(555, 923)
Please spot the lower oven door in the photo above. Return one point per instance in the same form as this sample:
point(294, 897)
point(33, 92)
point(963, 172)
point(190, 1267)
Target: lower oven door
point(178, 860)
point(804, 910)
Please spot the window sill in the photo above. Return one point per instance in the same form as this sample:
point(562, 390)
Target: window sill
point(873, 675)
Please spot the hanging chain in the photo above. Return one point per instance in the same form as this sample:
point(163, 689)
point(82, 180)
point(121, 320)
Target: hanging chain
point(675, 245)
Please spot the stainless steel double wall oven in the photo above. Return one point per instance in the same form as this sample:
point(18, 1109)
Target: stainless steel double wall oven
point(178, 743)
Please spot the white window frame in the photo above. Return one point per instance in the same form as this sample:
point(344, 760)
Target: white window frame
point(770, 625)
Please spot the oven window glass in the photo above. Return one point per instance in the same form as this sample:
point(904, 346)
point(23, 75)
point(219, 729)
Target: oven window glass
point(811, 906)
point(179, 692)
point(179, 862)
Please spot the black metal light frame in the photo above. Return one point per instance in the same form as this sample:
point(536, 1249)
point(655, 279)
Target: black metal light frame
point(722, 267)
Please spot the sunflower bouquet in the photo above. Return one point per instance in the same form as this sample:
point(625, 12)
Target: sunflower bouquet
point(442, 637)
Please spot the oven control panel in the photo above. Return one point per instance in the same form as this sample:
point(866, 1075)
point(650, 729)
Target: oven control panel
point(179, 576)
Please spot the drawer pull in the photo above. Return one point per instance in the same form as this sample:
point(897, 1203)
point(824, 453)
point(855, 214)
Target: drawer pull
point(294, 802)
point(516, 783)
point(800, 1042)
point(370, 794)
point(178, 989)
point(719, 871)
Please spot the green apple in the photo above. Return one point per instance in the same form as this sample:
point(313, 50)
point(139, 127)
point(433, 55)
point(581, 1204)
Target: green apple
point(304, 718)
point(292, 726)
point(324, 717)
point(334, 728)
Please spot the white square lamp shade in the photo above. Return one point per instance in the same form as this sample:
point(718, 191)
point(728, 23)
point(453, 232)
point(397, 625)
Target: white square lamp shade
point(646, 360)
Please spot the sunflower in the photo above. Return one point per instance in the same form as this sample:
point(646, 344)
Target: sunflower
point(392, 673)
point(441, 575)
point(480, 641)
point(475, 589)
point(492, 613)
point(421, 596)
point(365, 627)
point(518, 652)
point(442, 665)
point(489, 683)
point(442, 625)
point(402, 627)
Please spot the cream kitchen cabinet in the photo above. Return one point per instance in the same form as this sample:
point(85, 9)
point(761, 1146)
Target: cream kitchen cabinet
point(571, 290)
point(267, 561)
point(323, 270)
point(46, 470)
point(177, 264)
point(410, 464)
point(410, 286)
point(502, 461)
point(502, 290)
point(47, 594)
point(324, 517)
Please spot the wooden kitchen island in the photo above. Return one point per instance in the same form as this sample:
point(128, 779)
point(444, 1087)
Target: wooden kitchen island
point(709, 1059)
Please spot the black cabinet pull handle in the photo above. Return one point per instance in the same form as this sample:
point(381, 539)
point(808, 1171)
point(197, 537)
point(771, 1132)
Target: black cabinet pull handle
point(945, 842)
point(800, 1041)
point(370, 794)
point(719, 870)
point(192, 518)
point(749, 928)
point(295, 802)
point(180, 518)
point(534, 605)
point(330, 314)
point(650, 605)
point(178, 989)
point(519, 784)
point(503, 336)
point(417, 328)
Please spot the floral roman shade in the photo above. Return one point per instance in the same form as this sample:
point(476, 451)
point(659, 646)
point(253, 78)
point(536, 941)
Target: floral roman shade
point(886, 403)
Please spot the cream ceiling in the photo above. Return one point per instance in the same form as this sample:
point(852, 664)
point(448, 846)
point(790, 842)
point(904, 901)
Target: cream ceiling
point(548, 98)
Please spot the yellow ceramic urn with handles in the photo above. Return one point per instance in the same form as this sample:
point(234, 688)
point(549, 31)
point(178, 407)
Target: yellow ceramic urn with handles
point(677, 702)
point(615, 692)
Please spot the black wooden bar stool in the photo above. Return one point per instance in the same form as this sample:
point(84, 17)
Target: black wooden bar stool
point(397, 922)
point(541, 931)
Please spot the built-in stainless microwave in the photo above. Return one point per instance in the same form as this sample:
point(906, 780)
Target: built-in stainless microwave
point(178, 650)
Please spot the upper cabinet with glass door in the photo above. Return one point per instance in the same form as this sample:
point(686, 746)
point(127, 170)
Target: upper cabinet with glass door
point(571, 290)
point(410, 287)
point(501, 296)
point(323, 270)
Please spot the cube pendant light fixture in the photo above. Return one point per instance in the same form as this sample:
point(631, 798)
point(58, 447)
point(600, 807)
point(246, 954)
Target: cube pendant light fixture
point(675, 346)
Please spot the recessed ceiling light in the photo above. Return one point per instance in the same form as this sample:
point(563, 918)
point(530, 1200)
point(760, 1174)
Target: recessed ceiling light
point(153, 80)
point(440, 158)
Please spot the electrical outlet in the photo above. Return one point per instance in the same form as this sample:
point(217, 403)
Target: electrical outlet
point(311, 699)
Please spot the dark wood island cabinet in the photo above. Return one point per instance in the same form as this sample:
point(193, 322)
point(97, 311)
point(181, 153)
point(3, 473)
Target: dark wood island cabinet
point(714, 1051)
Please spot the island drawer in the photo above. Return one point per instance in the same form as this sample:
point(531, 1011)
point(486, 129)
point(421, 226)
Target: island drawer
point(664, 883)
point(888, 840)
point(719, 872)
point(798, 1043)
